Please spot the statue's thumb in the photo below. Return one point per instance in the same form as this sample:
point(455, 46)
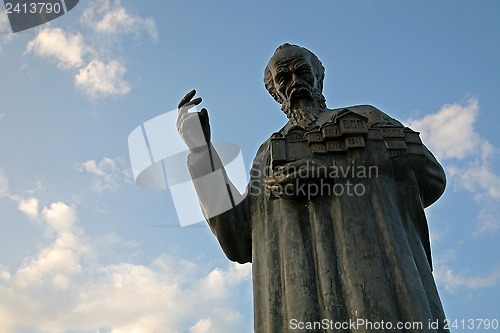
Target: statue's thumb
point(204, 116)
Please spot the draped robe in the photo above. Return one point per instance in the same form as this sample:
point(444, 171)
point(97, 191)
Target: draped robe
point(331, 259)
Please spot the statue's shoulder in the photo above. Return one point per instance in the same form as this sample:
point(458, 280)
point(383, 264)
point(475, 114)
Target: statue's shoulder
point(374, 116)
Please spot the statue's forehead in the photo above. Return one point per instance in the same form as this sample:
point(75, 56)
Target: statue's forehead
point(289, 56)
point(291, 61)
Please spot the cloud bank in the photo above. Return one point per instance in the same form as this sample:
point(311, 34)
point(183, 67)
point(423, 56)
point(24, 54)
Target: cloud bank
point(65, 288)
point(467, 157)
point(97, 73)
point(107, 175)
point(65, 49)
point(450, 131)
point(451, 135)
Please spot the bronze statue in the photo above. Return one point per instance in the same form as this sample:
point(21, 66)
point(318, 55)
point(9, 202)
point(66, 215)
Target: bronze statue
point(333, 218)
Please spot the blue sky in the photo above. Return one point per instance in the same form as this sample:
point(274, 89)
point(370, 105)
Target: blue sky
point(83, 249)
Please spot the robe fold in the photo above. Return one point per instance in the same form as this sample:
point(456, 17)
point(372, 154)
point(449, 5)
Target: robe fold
point(323, 261)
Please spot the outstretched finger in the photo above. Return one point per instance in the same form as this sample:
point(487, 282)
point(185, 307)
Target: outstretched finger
point(194, 102)
point(186, 98)
point(186, 107)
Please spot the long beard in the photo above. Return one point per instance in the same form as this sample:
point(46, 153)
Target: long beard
point(304, 112)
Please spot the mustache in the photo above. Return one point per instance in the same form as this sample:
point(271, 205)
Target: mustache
point(298, 89)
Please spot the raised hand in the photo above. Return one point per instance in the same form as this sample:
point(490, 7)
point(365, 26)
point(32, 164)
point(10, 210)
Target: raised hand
point(193, 127)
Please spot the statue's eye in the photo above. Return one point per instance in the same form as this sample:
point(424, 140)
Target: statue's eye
point(305, 71)
point(281, 79)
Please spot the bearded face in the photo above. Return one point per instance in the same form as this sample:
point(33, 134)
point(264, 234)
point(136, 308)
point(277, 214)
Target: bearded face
point(294, 79)
point(295, 85)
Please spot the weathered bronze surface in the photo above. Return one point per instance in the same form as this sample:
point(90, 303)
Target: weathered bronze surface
point(334, 219)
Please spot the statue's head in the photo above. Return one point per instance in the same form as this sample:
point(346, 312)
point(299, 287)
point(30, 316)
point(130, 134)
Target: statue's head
point(294, 75)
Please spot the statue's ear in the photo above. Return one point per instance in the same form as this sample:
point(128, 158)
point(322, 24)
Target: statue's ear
point(319, 82)
point(320, 86)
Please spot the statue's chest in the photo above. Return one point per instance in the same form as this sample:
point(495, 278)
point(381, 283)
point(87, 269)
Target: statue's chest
point(345, 133)
point(343, 149)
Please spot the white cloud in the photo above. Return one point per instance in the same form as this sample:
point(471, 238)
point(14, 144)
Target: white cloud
point(4, 184)
point(120, 21)
point(217, 283)
point(452, 281)
point(101, 169)
point(55, 264)
point(109, 18)
point(60, 216)
point(478, 177)
point(4, 23)
point(29, 207)
point(4, 275)
point(220, 321)
point(99, 74)
point(65, 288)
point(108, 174)
point(450, 131)
point(99, 79)
point(138, 298)
point(488, 218)
point(54, 44)
point(6, 34)
point(95, 78)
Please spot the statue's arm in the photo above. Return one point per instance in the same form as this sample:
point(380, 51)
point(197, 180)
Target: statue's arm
point(434, 179)
point(224, 208)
